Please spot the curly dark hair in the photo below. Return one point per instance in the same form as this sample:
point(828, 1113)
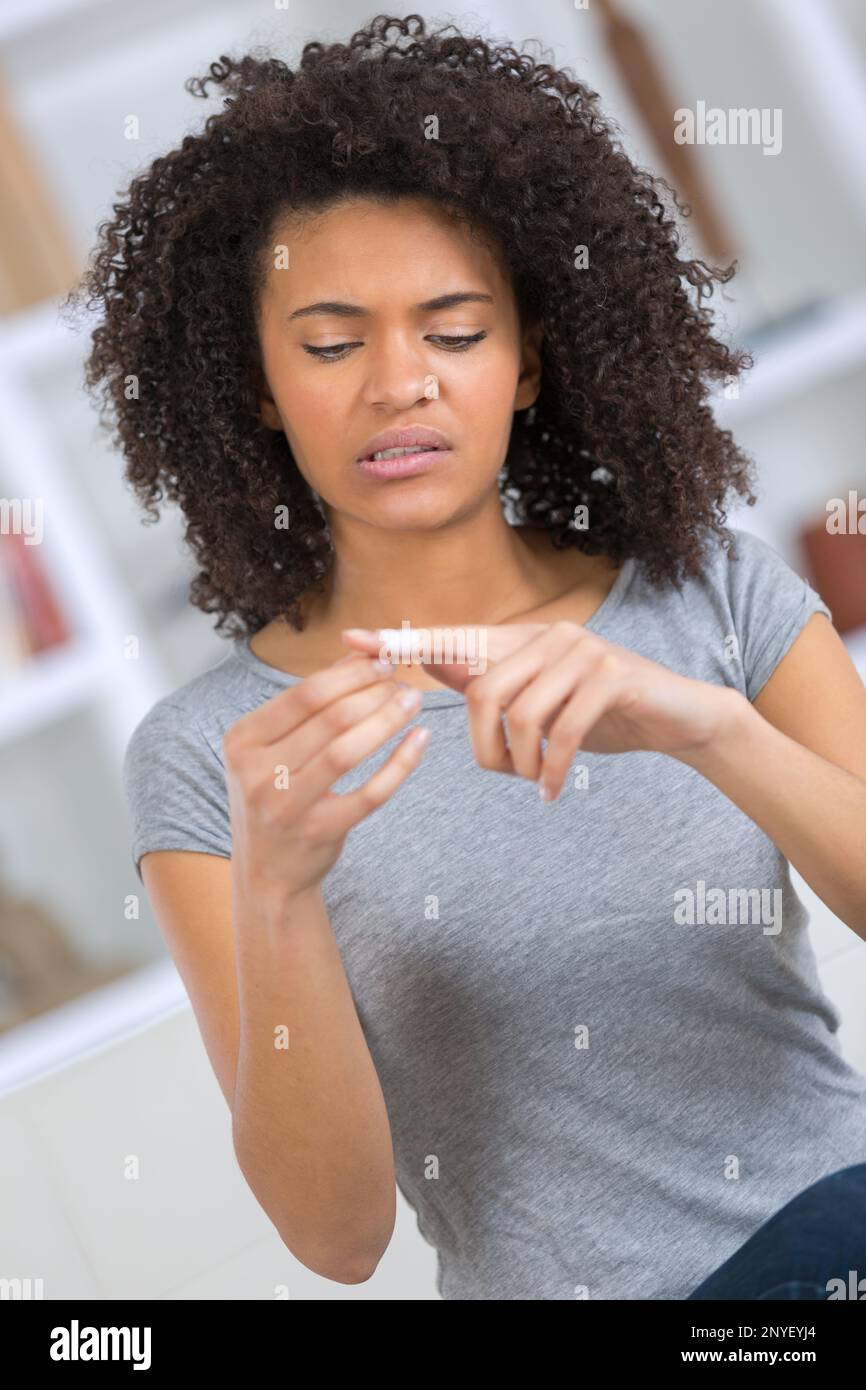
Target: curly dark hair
point(621, 423)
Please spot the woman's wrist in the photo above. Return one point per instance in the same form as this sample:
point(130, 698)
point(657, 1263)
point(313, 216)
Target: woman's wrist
point(736, 717)
point(271, 900)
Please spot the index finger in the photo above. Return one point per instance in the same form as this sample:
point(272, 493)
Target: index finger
point(279, 716)
point(471, 646)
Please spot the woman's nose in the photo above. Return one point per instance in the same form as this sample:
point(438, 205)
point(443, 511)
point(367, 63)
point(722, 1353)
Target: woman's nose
point(399, 374)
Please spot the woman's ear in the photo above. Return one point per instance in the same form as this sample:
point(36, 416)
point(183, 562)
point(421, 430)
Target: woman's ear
point(269, 413)
point(267, 407)
point(529, 381)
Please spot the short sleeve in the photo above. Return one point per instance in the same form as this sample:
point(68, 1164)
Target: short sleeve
point(770, 604)
point(174, 784)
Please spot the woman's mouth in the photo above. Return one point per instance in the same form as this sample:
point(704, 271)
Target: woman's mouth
point(402, 463)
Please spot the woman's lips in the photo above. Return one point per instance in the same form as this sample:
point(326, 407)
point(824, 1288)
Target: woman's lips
point(405, 466)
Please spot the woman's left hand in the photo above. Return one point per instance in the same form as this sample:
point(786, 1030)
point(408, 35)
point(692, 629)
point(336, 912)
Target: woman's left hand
point(561, 682)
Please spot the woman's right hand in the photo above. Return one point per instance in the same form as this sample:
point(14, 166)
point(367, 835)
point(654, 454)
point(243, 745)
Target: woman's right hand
point(280, 759)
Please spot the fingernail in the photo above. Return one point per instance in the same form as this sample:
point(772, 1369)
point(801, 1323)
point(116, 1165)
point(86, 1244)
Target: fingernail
point(357, 632)
point(544, 791)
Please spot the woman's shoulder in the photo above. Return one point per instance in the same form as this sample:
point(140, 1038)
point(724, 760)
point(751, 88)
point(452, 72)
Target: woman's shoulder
point(748, 602)
point(173, 772)
point(746, 553)
point(757, 579)
point(191, 720)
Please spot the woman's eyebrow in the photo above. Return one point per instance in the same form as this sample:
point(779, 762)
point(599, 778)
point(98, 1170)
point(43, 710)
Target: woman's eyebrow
point(442, 301)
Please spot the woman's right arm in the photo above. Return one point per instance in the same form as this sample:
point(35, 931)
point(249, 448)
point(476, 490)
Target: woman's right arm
point(309, 1122)
point(266, 979)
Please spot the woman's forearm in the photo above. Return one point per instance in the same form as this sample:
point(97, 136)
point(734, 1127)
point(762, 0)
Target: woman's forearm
point(309, 1122)
point(814, 811)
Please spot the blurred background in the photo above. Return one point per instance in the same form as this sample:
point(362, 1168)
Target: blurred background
point(100, 1056)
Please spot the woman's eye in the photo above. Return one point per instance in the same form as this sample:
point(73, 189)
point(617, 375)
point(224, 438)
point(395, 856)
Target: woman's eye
point(325, 352)
point(458, 343)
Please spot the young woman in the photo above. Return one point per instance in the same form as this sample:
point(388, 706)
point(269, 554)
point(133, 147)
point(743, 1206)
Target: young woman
point(585, 1036)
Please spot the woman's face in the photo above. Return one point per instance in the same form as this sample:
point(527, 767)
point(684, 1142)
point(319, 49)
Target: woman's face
point(335, 378)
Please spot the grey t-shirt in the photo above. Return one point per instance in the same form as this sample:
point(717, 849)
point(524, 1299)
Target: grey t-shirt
point(604, 1047)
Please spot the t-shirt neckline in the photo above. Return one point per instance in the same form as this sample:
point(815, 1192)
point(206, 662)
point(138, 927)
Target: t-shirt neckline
point(432, 698)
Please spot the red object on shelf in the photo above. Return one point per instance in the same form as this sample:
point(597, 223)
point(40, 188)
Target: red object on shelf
point(837, 565)
point(45, 624)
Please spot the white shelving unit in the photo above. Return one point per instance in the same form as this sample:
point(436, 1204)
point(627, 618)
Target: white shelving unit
point(73, 551)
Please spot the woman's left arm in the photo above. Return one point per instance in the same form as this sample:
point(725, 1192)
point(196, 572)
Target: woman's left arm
point(795, 761)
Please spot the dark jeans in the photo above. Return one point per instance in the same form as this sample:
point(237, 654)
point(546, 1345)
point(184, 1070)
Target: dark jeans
point(818, 1236)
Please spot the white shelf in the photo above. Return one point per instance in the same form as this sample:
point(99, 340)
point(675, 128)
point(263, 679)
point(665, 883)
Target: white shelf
point(831, 342)
point(89, 1024)
point(49, 686)
point(76, 558)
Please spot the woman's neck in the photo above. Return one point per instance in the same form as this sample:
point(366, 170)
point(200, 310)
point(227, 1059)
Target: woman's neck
point(475, 572)
point(537, 583)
